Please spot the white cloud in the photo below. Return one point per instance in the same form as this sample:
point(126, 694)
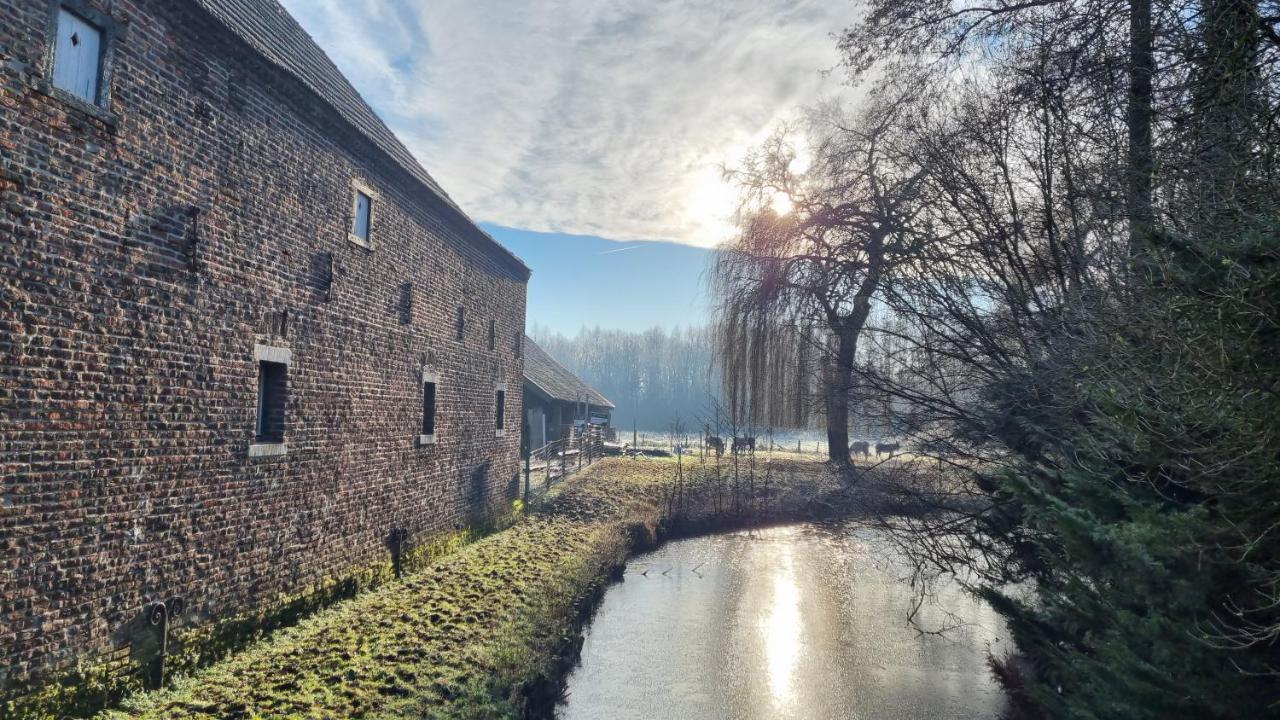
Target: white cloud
point(599, 117)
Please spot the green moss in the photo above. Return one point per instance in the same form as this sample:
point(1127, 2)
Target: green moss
point(476, 630)
point(97, 683)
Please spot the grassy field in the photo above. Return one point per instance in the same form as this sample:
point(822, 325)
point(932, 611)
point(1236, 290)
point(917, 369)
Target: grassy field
point(484, 632)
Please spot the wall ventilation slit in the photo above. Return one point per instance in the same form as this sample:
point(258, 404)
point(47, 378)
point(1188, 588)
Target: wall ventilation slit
point(193, 239)
point(405, 304)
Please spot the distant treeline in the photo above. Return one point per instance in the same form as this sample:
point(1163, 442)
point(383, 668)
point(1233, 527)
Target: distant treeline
point(655, 377)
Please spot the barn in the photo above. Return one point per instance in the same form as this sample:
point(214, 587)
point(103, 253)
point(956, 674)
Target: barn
point(247, 340)
point(557, 403)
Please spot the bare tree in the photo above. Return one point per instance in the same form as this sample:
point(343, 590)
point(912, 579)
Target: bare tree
point(813, 272)
point(1103, 202)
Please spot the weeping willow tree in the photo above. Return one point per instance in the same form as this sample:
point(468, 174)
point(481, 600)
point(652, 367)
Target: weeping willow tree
point(795, 288)
point(772, 368)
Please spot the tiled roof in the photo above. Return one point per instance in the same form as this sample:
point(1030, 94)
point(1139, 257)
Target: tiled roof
point(270, 30)
point(554, 380)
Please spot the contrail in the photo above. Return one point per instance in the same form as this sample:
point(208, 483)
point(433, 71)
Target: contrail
point(610, 252)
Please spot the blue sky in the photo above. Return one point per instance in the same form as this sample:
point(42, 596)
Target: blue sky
point(579, 280)
point(603, 118)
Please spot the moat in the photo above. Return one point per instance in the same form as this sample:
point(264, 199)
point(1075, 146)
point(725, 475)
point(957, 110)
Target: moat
point(804, 621)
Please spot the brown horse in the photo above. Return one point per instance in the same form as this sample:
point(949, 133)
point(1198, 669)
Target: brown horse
point(891, 448)
point(715, 442)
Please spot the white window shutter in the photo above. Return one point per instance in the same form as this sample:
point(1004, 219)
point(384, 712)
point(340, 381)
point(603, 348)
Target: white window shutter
point(363, 205)
point(77, 56)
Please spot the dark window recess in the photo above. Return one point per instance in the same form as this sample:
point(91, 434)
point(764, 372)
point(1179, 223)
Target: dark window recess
point(322, 273)
point(501, 418)
point(273, 388)
point(193, 239)
point(77, 57)
point(405, 306)
point(363, 211)
point(493, 334)
point(428, 408)
point(519, 343)
point(462, 323)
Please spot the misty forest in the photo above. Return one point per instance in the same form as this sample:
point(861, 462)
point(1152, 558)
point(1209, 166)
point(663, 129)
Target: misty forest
point(656, 377)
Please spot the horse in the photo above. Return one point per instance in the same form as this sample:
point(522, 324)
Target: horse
point(715, 442)
point(861, 447)
point(744, 442)
point(891, 448)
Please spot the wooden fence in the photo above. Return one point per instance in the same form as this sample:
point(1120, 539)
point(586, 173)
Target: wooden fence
point(557, 459)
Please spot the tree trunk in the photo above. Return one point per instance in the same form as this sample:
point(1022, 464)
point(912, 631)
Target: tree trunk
point(1226, 85)
point(839, 382)
point(1140, 163)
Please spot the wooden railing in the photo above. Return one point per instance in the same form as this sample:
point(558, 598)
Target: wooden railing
point(559, 458)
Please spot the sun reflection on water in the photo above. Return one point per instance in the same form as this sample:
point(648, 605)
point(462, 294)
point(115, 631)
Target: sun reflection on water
point(782, 629)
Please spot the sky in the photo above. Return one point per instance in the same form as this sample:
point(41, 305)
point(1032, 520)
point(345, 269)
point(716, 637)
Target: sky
point(583, 281)
point(609, 119)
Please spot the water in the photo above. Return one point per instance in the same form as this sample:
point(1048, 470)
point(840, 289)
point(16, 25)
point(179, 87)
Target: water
point(794, 622)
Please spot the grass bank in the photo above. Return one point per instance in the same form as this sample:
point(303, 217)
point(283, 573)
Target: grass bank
point(488, 631)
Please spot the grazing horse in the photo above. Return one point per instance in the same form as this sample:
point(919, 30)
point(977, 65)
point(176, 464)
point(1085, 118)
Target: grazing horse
point(862, 447)
point(715, 442)
point(744, 442)
point(891, 448)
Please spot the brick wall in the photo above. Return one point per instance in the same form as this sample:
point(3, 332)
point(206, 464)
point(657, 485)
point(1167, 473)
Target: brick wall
point(142, 257)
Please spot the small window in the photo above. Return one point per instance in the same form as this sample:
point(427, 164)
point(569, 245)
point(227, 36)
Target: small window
point(493, 334)
point(500, 418)
point(77, 57)
point(362, 211)
point(519, 343)
point(462, 323)
point(273, 384)
point(428, 408)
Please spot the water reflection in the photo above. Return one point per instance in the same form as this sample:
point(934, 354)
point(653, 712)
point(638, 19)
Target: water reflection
point(799, 622)
point(782, 630)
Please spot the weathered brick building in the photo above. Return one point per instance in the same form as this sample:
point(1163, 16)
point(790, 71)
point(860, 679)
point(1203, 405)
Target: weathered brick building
point(244, 336)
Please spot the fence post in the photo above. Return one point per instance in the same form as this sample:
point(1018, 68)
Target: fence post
point(546, 459)
point(526, 477)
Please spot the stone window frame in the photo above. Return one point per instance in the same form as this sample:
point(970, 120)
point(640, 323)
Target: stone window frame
point(500, 431)
point(110, 30)
point(430, 376)
point(283, 356)
point(360, 187)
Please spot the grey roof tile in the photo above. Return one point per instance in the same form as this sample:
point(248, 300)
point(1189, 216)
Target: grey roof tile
point(270, 30)
point(554, 380)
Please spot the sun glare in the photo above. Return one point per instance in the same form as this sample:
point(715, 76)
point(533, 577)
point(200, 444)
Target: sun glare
point(782, 631)
point(780, 203)
point(711, 203)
